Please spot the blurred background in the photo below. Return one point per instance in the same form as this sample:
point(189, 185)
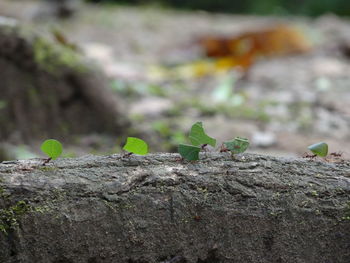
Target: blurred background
point(91, 73)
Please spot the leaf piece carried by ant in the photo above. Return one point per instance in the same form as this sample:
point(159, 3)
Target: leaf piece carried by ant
point(52, 148)
point(237, 145)
point(320, 149)
point(198, 136)
point(136, 146)
point(189, 152)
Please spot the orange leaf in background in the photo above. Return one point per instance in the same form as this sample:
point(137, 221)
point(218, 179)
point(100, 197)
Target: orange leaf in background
point(243, 62)
point(244, 49)
point(239, 52)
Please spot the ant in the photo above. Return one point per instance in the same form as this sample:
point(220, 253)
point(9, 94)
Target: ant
point(125, 155)
point(204, 147)
point(336, 157)
point(223, 148)
point(336, 154)
point(46, 161)
point(309, 156)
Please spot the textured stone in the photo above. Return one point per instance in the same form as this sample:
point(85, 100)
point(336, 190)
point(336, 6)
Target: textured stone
point(156, 208)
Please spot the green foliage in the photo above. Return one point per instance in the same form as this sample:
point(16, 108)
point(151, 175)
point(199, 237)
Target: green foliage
point(320, 149)
point(198, 136)
point(189, 152)
point(237, 145)
point(136, 146)
point(52, 148)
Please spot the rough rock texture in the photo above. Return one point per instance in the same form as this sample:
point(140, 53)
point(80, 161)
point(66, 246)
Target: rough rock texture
point(159, 209)
point(48, 90)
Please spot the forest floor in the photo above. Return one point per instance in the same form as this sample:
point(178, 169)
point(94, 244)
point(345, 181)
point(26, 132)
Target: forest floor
point(282, 105)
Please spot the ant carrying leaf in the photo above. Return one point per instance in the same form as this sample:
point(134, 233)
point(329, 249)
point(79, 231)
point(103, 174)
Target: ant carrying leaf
point(319, 149)
point(52, 148)
point(223, 148)
point(237, 145)
point(135, 146)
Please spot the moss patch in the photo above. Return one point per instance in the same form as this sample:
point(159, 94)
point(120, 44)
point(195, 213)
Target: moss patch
point(52, 58)
point(9, 217)
point(347, 212)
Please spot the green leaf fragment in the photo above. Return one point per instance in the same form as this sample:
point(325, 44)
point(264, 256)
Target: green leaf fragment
point(189, 152)
point(237, 145)
point(199, 137)
point(52, 148)
point(320, 149)
point(136, 146)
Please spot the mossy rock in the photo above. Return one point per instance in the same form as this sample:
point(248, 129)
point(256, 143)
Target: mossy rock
point(49, 90)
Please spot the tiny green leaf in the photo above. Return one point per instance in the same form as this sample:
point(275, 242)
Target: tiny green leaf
point(237, 145)
point(136, 146)
point(198, 136)
point(52, 148)
point(320, 149)
point(189, 152)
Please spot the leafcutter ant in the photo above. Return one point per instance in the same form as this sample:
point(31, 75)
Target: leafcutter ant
point(336, 157)
point(309, 156)
point(336, 154)
point(204, 147)
point(127, 155)
point(46, 161)
point(223, 148)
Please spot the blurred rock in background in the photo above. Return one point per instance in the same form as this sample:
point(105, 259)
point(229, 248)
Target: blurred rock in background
point(59, 8)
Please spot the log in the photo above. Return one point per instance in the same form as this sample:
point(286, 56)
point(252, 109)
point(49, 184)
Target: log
point(157, 208)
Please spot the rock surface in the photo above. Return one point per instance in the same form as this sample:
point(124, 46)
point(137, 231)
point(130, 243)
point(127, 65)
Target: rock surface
point(48, 90)
point(158, 209)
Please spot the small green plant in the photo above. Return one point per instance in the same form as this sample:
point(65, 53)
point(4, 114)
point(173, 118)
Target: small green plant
point(51, 148)
point(135, 146)
point(237, 145)
point(319, 149)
